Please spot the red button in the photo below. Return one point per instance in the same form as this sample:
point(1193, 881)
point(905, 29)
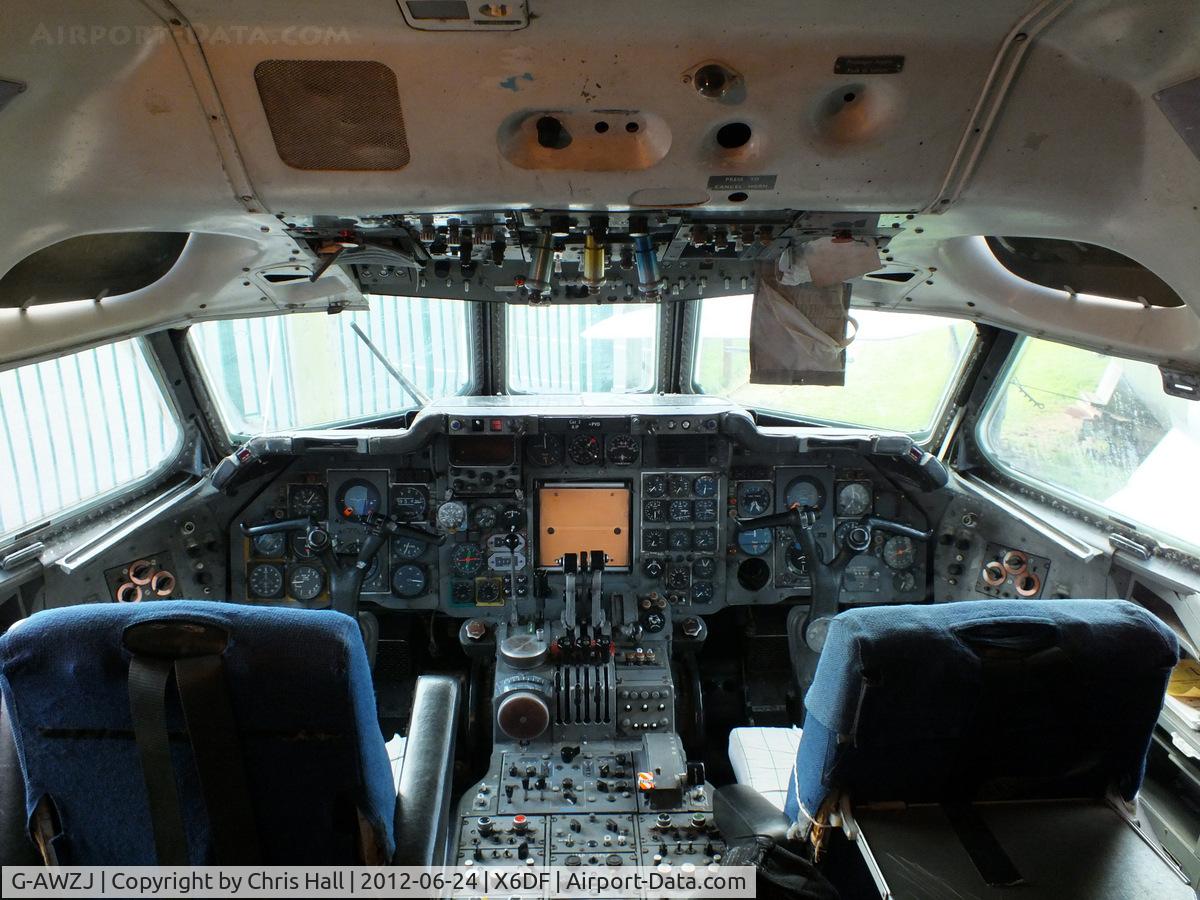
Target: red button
point(497, 424)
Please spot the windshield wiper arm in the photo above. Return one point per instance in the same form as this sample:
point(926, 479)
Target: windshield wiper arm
point(417, 394)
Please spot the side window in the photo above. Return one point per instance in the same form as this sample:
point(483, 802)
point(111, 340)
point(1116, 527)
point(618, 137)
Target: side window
point(1098, 430)
point(77, 428)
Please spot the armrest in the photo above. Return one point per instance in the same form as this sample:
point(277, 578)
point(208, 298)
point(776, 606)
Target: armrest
point(423, 798)
point(739, 811)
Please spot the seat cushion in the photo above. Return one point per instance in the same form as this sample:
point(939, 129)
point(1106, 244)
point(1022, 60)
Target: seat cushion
point(763, 758)
point(301, 697)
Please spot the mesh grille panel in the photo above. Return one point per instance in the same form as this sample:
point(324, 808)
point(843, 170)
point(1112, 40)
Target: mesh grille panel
point(333, 114)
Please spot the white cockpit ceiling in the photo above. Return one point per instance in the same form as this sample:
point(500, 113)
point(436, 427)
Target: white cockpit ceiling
point(1011, 117)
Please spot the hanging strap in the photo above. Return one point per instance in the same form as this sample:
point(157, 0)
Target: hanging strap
point(193, 650)
point(147, 705)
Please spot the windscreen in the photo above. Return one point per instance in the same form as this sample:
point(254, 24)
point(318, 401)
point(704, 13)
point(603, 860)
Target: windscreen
point(312, 369)
point(900, 368)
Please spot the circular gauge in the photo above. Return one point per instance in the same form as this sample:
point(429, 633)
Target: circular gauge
point(706, 510)
point(358, 499)
point(544, 449)
point(702, 592)
point(704, 567)
point(300, 546)
point(853, 499)
point(653, 621)
point(680, 539)
point(484, 518)
point(755, 542)
point(654, 510)
point(796, 559)
point(512, 518)
point(586, 450)
point(452, 515)
point(753, 499)
point(705, 486)
point(487, 590)
point(409, 581)
point(407, 549)
point(265, 581)
point(899, 552)
point(679, 486)
point(654, 485)
point(305, 582)
point(270, 545)
point(680, 511)
point(410, 503)
point(904, 581)
point(678, 577)
point(654, 540)
point(805, 493)
point(306, 500)
point(623, 450)
point(704, 539)
point(466, 561)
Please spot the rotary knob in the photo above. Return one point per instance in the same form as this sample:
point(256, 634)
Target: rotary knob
point(523, 715)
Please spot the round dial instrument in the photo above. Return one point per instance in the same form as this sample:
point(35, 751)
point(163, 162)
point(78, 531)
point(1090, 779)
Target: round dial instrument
point(753, 499)
point(270, 545)
point(358, 499)
point(452, 515)
point(755, 542)
point(466, 561)
point(623, 450)
point(705, 486)
point(853, 499)
point(680, 539)
point(410, 503)
point(409, 581)
point(679, 485)
point(484, 518)
point(544, 449)
point(300, 546)
point(487, 590)
point(265, 581)
point(654, 540)
point(407, 549)
point(680, 511)
point(586, 450)
point(805, 493)
point(654, 485)
point(704, 539)
point(306, 500)
point(702, 592)
point(305, 582)
point(512, 518)
point(654, 510)
point(704, 567)
point(899, 552)
point(797, 560)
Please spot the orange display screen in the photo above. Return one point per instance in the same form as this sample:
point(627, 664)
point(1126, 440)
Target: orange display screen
point(579, 519)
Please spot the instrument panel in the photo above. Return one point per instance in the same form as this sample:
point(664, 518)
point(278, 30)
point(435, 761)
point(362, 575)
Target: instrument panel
point(662, 496)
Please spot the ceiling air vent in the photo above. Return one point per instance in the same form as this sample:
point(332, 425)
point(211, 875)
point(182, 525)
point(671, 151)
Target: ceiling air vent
point(341, 115)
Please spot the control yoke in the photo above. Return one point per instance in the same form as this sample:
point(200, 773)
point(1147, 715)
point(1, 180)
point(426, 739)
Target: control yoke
point(345, 578)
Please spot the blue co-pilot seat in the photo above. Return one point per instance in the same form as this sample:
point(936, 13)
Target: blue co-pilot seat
point(919, 715)
point(275, 753)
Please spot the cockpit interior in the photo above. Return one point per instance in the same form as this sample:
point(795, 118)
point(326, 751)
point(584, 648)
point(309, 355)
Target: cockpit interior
point(545, 435)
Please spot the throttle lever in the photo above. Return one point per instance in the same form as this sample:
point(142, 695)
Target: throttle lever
point(898, 528)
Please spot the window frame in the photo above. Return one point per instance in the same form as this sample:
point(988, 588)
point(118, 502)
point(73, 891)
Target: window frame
point(131, 489)
point(214, 411)
point(942, 410)
point(1075, 501)
point(500, 347)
